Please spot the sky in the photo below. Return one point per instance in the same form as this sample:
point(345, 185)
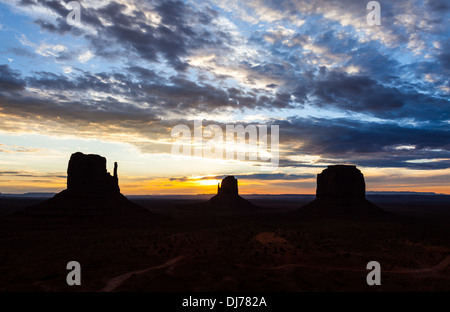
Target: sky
point(340, 90)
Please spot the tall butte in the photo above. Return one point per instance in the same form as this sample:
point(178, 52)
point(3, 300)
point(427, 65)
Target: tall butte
point(87, 174)
point(227, 195)
point(341, 191)
point(91, 191)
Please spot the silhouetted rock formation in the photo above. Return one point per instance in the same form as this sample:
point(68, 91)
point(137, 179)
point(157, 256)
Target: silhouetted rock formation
point(341, 191)
point(229, 187)
point(87, 173)
point(91, 191)
point(228, 196)
point(339, 182)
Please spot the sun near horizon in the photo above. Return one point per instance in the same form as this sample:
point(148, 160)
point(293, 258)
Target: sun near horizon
point(256, 183)
point(336, 88)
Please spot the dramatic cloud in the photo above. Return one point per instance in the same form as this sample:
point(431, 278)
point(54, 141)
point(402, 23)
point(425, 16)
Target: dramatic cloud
point(340, 90)
point(10, 80)
point(367, 144)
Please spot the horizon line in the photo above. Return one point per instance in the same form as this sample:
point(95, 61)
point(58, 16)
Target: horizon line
point(244, 194)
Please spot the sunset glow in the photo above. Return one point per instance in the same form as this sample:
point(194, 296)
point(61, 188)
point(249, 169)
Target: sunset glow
point(340, 90)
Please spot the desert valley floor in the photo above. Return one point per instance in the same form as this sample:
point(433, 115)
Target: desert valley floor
point(186, 245)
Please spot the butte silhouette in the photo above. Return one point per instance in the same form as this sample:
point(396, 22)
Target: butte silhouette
point(228, 197)
point(341, 191)
point(91, 191)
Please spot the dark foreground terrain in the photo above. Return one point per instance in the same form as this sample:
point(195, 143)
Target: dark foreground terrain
point(189, 246)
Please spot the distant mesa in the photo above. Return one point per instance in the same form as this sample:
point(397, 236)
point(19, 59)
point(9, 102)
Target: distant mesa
point(341, 182)
point(87, 174)
point(91, 191)
point(228, 196)
point(228, 188)
point(341, 190)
